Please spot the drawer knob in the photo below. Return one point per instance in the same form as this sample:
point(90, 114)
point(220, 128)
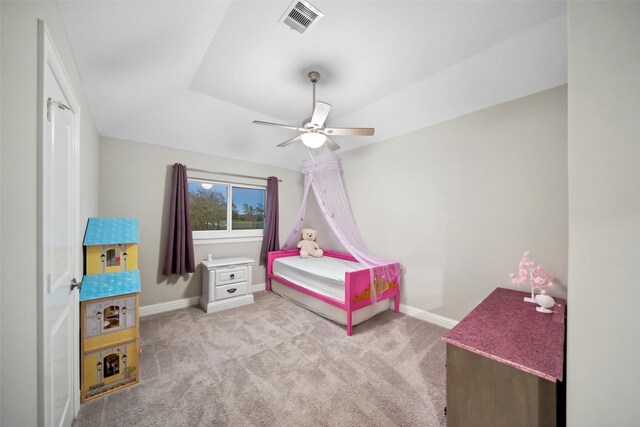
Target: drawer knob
point(232, 276)
point(232, 290)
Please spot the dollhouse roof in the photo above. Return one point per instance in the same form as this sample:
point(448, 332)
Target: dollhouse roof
point(108, 231)
point(96, 286)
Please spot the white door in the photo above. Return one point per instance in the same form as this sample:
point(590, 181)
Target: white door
point(58, 239)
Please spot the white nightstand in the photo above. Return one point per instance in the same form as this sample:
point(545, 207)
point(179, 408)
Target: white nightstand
point(226, 283)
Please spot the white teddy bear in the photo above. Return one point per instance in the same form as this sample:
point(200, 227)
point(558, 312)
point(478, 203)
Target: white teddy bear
point(308, 246)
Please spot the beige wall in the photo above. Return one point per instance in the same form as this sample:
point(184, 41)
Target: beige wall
point(604, 233)
point(18, 367)
point(457, 203)
point(135, 182)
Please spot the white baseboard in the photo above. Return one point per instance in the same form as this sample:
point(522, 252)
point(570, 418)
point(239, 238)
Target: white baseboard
point(147, 310)
point(436, 319)
point(257, 287)
point(163, 307)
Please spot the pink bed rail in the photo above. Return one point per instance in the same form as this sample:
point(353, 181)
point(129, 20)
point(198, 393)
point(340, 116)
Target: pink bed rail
point(356, 286)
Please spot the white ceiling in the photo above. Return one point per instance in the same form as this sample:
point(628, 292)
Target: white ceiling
point(193, 75)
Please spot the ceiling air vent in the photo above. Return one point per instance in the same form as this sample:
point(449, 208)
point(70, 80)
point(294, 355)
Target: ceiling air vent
point(300, 16)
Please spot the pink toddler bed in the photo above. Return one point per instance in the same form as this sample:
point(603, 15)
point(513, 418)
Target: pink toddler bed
point(331, 285)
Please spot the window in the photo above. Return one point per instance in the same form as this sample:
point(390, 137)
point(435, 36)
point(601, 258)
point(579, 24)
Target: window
point(111, 317)
point(112, 259)
point(111, 365)
point(225, 211)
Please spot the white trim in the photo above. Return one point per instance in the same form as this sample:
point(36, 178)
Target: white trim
point(227, 234)
point(228, 183)
point(219, 240)
point(436, 319)
point(76, 351)
point(163, 307)
point(49, 58)
point(257, 287)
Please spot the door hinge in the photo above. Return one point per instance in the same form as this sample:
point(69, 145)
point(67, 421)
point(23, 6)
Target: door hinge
point(58, 103)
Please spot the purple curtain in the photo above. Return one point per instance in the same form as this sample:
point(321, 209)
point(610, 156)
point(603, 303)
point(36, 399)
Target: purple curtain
point(270, 241)
point(179, 258)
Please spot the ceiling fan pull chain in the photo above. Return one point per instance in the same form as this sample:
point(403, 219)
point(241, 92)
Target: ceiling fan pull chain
point(310, 155)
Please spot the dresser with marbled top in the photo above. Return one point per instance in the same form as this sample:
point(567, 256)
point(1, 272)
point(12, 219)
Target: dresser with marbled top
point(505, 364)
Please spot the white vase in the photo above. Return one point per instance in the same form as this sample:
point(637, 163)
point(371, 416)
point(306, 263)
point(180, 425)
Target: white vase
point(545, 302)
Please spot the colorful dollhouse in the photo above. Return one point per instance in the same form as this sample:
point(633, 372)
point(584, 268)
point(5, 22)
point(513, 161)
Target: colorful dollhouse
point(109, 307)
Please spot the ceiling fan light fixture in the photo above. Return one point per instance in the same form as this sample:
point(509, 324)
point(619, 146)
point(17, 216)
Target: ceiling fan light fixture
point(313, 139)
point(314, 132)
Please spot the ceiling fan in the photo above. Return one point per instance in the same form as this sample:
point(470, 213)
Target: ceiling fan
point(314, 131)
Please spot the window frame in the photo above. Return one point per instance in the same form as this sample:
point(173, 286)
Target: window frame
point(206, 237)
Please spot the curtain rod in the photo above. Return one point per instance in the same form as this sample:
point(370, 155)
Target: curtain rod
point(228, 174)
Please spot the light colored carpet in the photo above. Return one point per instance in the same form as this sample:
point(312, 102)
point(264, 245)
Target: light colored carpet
point(273, 363)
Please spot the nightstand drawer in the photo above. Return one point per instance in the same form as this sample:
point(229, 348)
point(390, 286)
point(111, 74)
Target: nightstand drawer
point(231, 275)
point(229, 291)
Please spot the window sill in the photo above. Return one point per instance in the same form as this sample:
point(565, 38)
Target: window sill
point(219, 240)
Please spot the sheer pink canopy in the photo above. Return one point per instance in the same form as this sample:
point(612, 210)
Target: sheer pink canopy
point(322, 175)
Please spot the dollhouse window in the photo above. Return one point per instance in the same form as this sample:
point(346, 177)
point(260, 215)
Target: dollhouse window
point(111, 365)
point(111, 317)
point(113, 259)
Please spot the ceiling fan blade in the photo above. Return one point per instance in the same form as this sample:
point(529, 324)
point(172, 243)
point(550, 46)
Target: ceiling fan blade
point(349, 131)
point(258, 122)
point(332, 145)
point(291, 141)
point(320, 114)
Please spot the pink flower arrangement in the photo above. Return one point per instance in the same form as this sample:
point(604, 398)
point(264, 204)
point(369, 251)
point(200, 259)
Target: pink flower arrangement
point(533, 275)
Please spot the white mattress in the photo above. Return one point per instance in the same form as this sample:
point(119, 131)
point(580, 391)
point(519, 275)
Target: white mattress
point(323, 275)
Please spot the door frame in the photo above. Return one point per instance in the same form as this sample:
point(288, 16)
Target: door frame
point(48, 57)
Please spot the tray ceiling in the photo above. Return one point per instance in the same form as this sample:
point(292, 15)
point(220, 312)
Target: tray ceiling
point(193, 75)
